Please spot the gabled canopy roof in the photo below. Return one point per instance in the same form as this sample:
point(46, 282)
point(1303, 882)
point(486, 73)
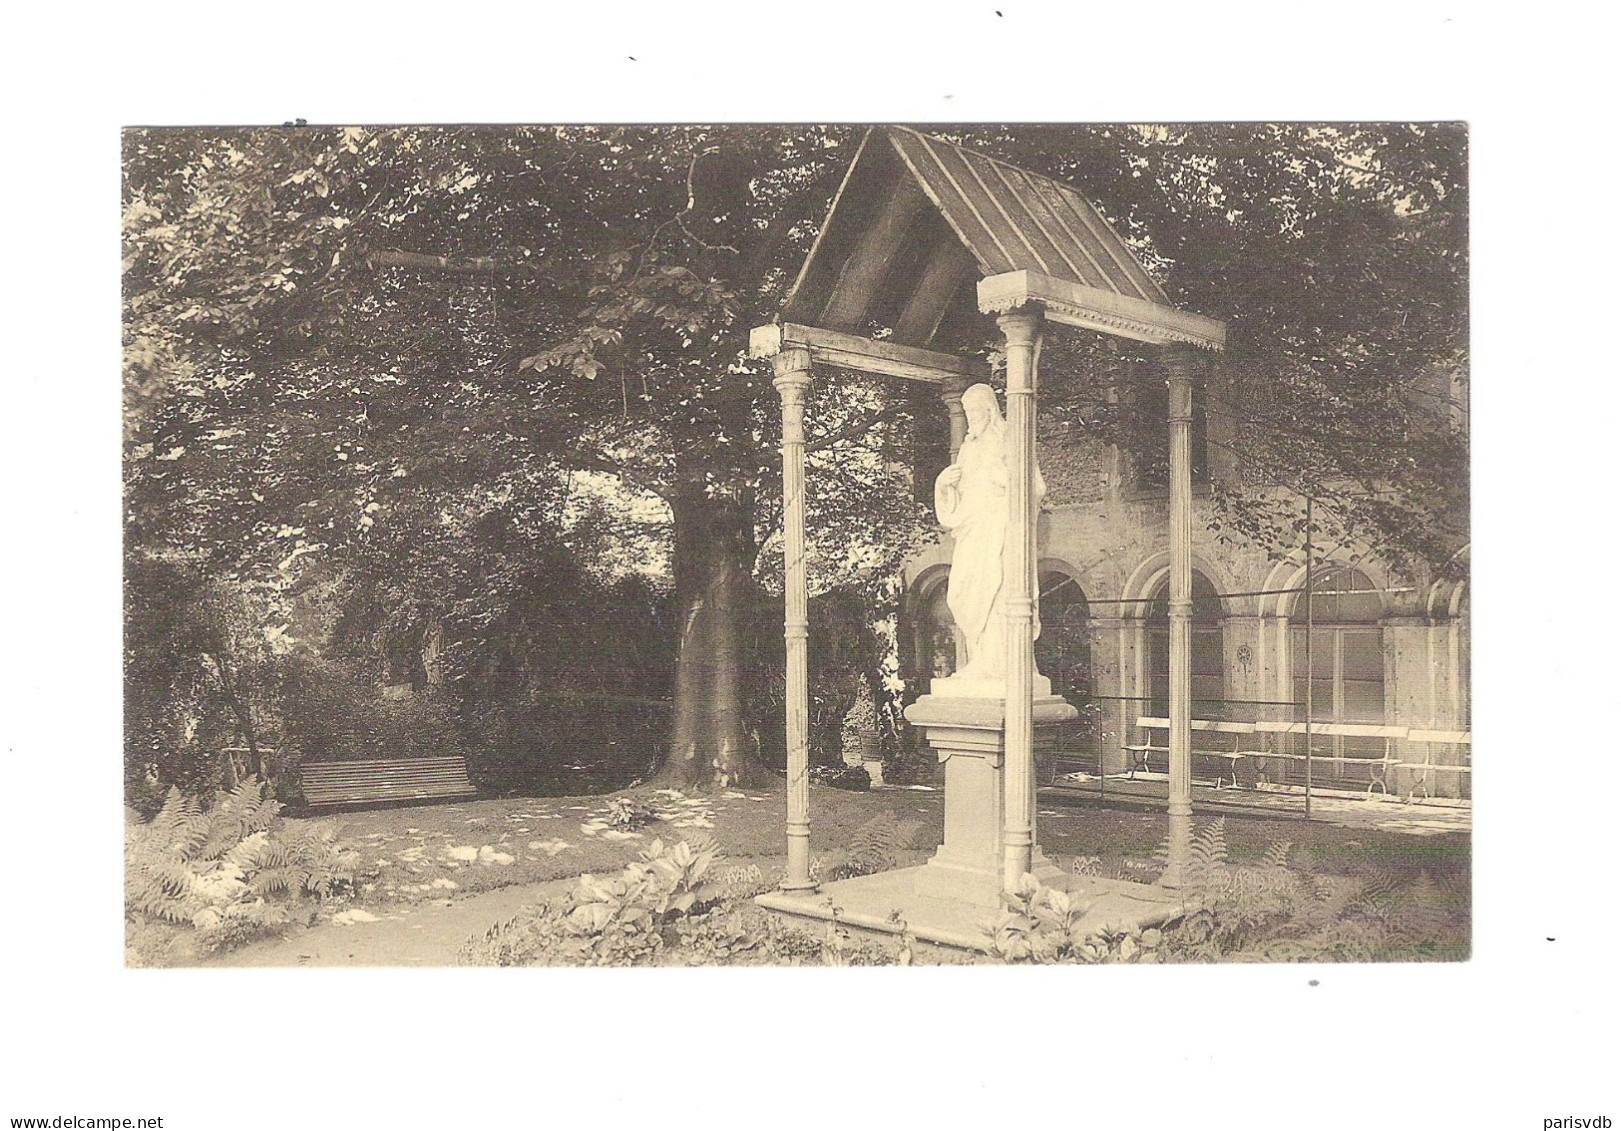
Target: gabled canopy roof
point(1015, 220)
point(919, 221)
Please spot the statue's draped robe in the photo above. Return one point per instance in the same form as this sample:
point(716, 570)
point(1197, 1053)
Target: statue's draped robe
point(975, 511)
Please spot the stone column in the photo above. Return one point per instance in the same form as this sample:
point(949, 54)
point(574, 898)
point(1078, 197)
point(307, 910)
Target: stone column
point(951, 391)
point(1113, 681)
point(1021, 330)
point(1410, 696)
point(1244, 647)
point(1181, 365)
point(793, 380)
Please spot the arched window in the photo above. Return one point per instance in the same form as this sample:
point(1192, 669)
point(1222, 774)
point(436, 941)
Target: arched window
point(1064, 648)
point(1347, 667)
point(934, 634)
point(1209, 674)
point(1064, 655)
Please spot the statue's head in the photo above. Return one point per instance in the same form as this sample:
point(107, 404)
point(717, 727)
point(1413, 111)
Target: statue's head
point(979, 405)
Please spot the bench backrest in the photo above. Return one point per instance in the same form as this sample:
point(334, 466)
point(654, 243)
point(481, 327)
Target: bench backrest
point(1344, 730)
point(385, 779)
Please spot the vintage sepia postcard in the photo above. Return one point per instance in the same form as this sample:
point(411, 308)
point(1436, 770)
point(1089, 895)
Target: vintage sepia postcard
point(694, 545)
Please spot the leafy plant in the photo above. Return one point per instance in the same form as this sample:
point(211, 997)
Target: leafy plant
point(875, 846)
point(228, 870)
point(628, 812)
point(608, 921)
point(1273, 912)
point(718, 938)
point(1040, 924)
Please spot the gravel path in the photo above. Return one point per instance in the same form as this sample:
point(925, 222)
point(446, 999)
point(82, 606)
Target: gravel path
point(421, 934)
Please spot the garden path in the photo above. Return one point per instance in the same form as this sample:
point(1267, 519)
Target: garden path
point(420, 934)
point(434, 876)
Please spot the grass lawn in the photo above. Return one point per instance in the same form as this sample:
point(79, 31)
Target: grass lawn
point(433, 880)
point(439, 851)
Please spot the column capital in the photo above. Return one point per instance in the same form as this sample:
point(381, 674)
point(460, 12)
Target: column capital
point(1182, 365)
point(1021, 326)
point(1182, 360)
point(952, 389)
point(791, 367)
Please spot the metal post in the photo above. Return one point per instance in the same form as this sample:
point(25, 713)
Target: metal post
point(1022, 331)
point(793, 379)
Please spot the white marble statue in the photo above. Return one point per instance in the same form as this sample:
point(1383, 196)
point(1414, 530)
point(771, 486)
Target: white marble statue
point(970, 499)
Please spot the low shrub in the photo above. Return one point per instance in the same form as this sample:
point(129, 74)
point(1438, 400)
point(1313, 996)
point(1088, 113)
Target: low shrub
point(333, 710)
point(854, 778)
point(619, 921)
point(1276, 911)
point(202, 878)
point(629, 812)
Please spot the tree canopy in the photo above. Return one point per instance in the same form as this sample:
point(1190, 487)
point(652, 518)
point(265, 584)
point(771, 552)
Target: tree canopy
point(397, 354)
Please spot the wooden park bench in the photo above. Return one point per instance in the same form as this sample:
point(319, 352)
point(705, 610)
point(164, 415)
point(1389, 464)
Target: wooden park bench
point(385, 779)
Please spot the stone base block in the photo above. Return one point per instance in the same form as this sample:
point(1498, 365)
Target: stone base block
point(889, 903)
point(967, 735)
point(967, 687)
point(946, 876)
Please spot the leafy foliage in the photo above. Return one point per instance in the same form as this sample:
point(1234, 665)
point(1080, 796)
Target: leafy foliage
point(628, 812)
point(1338, 258)
point(618, 921)
point(1038, 924)
point(231, 869)
point(331, 711)
point(198, 670)
point(875, 846)
point(1273, 912)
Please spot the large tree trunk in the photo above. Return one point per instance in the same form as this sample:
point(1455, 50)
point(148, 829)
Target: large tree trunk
point(713, 546)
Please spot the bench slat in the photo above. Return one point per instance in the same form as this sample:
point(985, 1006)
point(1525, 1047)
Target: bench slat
point(385, 779)
point(378, 775)
point(389, 764)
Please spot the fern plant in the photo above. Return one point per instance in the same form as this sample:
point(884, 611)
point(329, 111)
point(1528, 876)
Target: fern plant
point(876, 846)
point(227, 870)
point(1275, 912)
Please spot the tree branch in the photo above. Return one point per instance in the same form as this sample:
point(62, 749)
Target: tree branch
point(854, 428)
point(419, 261)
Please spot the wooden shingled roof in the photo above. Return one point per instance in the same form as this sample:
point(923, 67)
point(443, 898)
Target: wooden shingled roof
point(884, 258)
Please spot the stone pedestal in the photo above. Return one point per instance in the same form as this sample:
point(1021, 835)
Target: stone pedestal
point(967, 734)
